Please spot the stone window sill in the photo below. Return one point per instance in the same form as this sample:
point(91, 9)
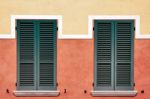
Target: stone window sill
point(37, 93)
point(114, 93)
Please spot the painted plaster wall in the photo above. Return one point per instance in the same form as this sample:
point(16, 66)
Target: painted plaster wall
point(74, 69)
point(75, 12)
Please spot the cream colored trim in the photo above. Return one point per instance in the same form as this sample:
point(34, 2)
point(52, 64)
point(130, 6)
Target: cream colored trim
point(75, 36)
point(113, 93)
point(59, 18)
point(6, 36)
point(15, 17)
point(34, 17)
point(138, 35)
point(36, 93)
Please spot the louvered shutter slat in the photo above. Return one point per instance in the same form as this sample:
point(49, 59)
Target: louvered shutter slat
point(113, 54)
point(47, 64)
point(25, 37)
point(124, 55)
point(103, 56)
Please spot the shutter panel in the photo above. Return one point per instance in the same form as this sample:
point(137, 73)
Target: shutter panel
point(103, 31)
point(47, 54)
point(124, 55)
point(25, 46)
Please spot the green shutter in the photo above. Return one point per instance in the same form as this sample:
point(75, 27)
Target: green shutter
point(124, 55)
point(103, 31)
point(113, 54)
point(36, 42)
point(47, 54)
point(26, 65)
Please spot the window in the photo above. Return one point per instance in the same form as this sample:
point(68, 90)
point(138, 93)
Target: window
point(114, 42)
point(36, 47)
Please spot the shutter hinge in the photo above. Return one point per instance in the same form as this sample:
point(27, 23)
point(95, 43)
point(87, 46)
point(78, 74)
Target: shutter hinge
point(93, 84)
point(93, 28)
point(142, 91)
point(57, 28)
point(85, 91)
point(7, 90)
point(16, 27)
point(16, 84)
point(133, 84)
point(65, 90)
point(134, 28)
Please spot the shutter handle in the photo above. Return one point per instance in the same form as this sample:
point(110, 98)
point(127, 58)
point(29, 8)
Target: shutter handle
point(142, 91)
point(7, 90)
point(85, 91)
point(93, 84)
point(65, 90)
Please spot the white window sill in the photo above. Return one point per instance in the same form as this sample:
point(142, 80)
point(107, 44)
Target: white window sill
point(36, 93)
point(113, 93)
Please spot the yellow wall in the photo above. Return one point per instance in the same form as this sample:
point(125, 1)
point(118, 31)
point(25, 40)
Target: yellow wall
point(75, 12)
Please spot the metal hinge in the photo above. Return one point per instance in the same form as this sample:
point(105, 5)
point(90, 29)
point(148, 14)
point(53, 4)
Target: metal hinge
point(93, 84)
point(134, 28)
point(57, 28)
point(93, 28)
point(16, 28)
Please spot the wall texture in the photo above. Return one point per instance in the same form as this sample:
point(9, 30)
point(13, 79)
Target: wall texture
point(75, 12)
point(74, 69)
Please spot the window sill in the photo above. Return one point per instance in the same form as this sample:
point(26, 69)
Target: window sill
point(114, 93)
point(36, 93)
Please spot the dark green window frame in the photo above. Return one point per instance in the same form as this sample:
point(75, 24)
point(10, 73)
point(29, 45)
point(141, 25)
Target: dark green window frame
point(36, 54)
point(110, 67)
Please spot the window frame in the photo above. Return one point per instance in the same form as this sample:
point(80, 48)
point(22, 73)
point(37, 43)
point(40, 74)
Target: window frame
point(36, 55)
point(105, 92)
point(55, 92)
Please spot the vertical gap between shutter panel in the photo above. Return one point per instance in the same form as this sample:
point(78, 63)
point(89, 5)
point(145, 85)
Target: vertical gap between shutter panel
point(37, 53)
point(114, 54)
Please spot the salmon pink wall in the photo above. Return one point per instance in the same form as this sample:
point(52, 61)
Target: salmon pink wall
point(74, 69)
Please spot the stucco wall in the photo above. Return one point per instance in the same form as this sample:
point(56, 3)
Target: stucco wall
point(74, 69)
point(75, 57)
point(75, 12)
